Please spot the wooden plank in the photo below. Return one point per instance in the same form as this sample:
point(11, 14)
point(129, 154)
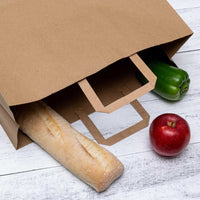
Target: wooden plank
point(193, 43)
point(190, 16)
point(192, 19)
point(178, 4)
point(146, 176)
point(28, 158)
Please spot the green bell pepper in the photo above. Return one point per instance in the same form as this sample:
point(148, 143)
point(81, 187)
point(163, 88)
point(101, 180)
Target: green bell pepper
point(172, 82)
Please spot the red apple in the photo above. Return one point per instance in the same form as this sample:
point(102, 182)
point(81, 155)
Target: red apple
point(169, 134)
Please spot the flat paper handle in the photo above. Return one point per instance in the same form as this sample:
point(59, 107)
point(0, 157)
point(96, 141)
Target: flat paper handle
point(98, 105)
point(119, 136)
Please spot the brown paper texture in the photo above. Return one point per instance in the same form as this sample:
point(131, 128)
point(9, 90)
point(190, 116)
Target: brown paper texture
point(47, 45)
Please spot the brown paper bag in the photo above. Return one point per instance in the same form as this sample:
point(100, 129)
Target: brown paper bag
point(64, 47)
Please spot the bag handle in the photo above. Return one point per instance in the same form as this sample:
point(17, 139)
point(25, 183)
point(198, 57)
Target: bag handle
point(98, 105)
point(121, 135)
point(129, 97)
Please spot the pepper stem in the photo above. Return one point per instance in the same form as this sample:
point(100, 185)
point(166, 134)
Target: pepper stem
point(171, 124)
point(184, 87)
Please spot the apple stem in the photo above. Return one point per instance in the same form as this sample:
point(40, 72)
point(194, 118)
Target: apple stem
point(172, 124)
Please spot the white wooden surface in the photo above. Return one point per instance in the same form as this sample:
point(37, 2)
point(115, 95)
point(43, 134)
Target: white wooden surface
point(30, 173)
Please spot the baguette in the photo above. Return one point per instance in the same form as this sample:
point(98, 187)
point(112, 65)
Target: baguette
point(84, 158)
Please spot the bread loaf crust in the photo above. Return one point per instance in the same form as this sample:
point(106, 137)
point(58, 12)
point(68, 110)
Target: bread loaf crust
point(84, 158)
